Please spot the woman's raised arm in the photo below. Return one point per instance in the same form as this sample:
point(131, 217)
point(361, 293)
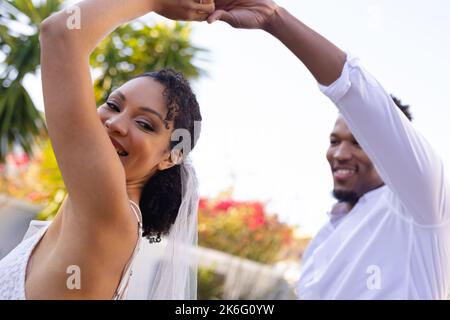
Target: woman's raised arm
point(90, 166)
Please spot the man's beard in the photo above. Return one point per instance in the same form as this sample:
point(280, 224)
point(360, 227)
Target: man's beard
point(346, 196)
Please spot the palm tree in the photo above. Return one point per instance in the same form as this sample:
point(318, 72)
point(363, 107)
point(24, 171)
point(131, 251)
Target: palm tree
point(21, 123)
point(128, 51)
point(137, 48)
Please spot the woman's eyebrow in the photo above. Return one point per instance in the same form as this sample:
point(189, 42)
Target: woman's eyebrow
point(117, 93)
point(156, 113)
point(150, 110)
point(142, 108)
point(120, 94)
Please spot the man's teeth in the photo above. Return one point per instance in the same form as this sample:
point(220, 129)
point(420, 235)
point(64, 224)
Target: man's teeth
point(345, 171)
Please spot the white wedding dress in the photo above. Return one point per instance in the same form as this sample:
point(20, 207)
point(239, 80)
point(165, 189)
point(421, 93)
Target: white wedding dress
point(13, 267)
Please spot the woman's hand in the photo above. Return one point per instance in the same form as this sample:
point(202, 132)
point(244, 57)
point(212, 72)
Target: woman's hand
point(245, 14)
point(187, 10)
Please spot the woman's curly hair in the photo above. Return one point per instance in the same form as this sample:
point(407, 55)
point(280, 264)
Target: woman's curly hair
point(161, 195)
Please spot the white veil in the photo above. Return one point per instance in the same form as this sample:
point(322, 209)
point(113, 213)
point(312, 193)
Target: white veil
point(167, 270)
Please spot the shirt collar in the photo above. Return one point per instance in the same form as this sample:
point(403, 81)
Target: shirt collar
point(367, 197)
point(372, 194)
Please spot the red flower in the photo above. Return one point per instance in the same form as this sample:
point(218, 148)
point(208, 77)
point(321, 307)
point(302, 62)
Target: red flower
point(258, 208)
point(257, 216)
point(224, 205)
point(203, 204)
point(18, 160)
point(256, 221)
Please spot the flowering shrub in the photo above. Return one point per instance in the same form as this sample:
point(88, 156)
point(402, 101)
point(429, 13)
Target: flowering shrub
point(236, 227)
point(243, 229)
point(36, 180)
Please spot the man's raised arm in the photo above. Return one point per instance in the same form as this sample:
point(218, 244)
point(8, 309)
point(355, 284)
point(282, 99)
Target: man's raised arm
point(404, 159)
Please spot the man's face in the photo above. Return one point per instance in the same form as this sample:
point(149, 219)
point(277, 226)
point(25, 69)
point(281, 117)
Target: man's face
point(353, 172)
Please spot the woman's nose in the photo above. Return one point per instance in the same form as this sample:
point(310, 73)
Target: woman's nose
point(117, 125)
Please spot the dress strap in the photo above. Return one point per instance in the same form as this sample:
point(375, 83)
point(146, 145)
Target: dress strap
point(121, 290)
point(137, 212)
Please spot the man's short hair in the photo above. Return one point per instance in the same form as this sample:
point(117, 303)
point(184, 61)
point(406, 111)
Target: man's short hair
point(403, 107)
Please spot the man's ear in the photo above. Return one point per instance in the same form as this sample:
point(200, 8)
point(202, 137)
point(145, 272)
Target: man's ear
point(175, 157)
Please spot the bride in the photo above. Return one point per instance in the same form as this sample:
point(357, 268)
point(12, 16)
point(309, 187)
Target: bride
point(126, 172)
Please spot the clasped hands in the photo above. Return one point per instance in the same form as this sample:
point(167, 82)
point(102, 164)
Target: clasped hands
point(246, 14)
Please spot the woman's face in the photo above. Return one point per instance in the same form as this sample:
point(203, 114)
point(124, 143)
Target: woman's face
point(134, 118)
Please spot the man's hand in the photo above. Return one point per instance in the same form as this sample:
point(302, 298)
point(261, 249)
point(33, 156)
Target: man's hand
point(186, 10)
point(244, 14)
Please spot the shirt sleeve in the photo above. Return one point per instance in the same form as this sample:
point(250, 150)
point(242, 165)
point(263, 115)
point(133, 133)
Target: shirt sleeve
point(404, 159)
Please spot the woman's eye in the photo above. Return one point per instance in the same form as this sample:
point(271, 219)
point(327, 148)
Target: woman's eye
point(112, 106)
point(333, 142)
point(145, 126)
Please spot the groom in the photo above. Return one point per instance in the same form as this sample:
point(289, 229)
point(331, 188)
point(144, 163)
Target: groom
point(389, 235)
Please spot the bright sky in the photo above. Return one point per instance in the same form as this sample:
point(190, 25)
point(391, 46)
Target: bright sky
point(266, 124)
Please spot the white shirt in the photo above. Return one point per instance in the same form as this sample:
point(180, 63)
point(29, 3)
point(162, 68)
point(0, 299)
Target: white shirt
point(395, 242)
